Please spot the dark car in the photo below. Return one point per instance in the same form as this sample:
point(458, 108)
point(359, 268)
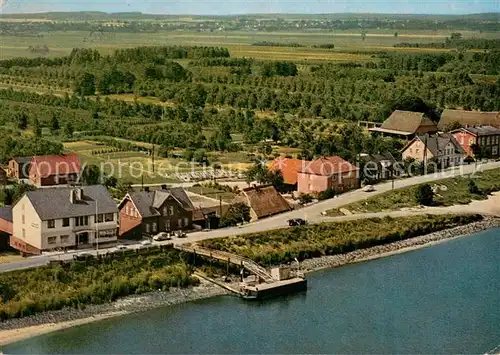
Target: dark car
point(296, 222)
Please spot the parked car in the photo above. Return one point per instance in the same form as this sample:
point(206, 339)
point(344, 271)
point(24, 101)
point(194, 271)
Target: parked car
point(368, 188)
point(180, 234)
point(146, 242)
point(296, 222)
point(121, 247)
point(161, 237)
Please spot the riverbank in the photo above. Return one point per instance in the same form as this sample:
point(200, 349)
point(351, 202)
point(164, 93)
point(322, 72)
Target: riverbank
point(15, 330)
point(403, 246)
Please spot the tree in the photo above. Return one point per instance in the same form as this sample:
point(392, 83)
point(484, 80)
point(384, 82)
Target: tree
point(456, 36)
point(237, 213)
point(21, 120)
point(396, 35)
point(91, 175)
point(68, 129)
point(37, 129)
point(123, 188)
point(304, 199)
point(85, 85)
point(110, 182)
point(54, 125)
point(473, 189)
point(424, 195)
point(200, 156)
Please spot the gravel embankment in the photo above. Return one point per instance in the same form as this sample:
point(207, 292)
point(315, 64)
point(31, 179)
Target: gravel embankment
point(130, 304)
point(311, 265)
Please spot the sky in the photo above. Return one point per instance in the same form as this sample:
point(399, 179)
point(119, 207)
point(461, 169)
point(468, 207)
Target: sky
point(223, 7)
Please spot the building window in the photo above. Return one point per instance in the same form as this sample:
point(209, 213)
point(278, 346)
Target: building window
point(172, 211)
point(471, 142)
point(24, 233)
point(186, 222)
point(165, 211)
point(81, 221)
point(52, 240)
point(64, 239)
point(148, 228)
point(23, 219)
point(65, 222)
point(167, 225)
point(488, 140)
point(100, 218)
point(107, 234)
point(494, 150)
point(51, 223)
point(154, 227)
point(179, 223)
point(109, 217)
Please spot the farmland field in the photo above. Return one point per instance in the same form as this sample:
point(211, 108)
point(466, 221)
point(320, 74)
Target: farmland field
point(238, 43)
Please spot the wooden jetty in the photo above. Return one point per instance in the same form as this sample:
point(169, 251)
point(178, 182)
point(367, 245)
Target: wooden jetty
point(266, 284)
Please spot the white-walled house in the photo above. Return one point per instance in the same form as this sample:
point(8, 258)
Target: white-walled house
point(55, 218)
point(442, 148)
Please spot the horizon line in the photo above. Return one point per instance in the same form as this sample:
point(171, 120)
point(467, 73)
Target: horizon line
point(250, 13)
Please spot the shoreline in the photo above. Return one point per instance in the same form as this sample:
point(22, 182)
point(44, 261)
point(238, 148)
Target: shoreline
point(15, 330)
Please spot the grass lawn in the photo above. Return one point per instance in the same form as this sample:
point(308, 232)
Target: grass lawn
point(284, 245)
point(213, 193)
point(456, 192)
point(8, 257)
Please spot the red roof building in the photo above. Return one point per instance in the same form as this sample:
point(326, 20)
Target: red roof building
point(50, 170)
point(327, 173)
point(289, 168)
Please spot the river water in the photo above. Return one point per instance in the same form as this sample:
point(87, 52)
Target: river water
point(441, 299)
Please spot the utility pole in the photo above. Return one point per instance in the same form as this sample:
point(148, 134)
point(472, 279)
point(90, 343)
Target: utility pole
point(153, 155)
point(220, 206)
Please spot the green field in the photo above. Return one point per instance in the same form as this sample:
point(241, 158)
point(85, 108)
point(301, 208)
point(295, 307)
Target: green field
point(348, 44)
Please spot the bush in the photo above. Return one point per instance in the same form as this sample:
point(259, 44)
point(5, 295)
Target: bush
point(424, 195)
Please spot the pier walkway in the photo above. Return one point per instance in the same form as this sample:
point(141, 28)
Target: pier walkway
point(246, 263)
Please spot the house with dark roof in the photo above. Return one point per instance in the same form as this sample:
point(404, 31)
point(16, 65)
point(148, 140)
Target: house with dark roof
point(5, 226)
point(327, 173)
point(468, 119)
point(442, 148)
point(264, 201)
point(64, 218)
point(146, 213)
point(19, 168)
point(483, 138)
point(376, 167)
point(50, 170)
point(406, 125)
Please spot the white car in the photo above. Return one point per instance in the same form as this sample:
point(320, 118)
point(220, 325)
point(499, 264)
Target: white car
point(161, 237)
point(368, 188)
point(146, 242)
point(121, 247)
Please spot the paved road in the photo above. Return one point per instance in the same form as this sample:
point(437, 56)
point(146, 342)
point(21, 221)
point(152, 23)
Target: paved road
point(311, 213)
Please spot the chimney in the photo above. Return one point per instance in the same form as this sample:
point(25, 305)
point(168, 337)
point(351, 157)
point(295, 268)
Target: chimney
point(75, 195)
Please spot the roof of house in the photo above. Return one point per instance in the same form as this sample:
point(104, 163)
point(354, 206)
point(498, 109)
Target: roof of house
point(469, 118)
point(327, 166)
point(386, 159)
point(55, 203)
point(436, 143)
point(483, 130)
point(22, 160)
point(48, 165)
point(289, 168)
point(265, 201)
point(6, 213)
point(148, 203)
point(407, 122)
